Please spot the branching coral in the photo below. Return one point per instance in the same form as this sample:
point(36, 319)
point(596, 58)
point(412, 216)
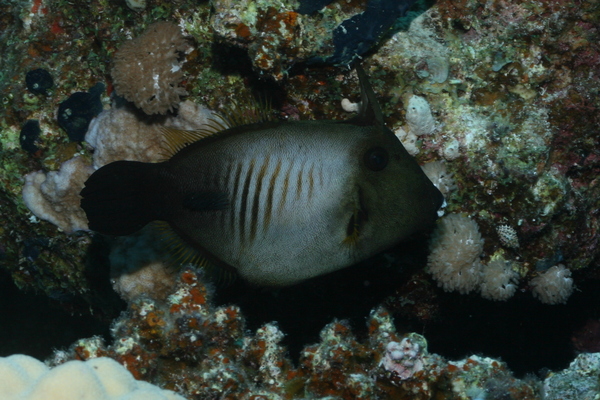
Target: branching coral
point(147, 70)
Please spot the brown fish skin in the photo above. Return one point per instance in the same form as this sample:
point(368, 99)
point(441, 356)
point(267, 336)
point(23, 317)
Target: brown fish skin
point(279, 202)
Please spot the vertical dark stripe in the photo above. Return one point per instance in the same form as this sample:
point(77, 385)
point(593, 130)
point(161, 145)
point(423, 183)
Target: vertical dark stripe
point(256, 201)
point(286, 184)
point(244, 204)
point(236, 185)
point(311, 181)
point(269, 204)
point(299, 181)
point(225, 188)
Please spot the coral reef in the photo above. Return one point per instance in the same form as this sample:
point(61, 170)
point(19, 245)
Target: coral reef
point(437, 172)
point(278, 34)
point(186, 344)
point(418, 116)
point(54, 196)
point(511, 86)
point(140, 265)
point(454, 254)
point(553, 286)
point(499, 281)
point(579, 381)
point(25, 378)
point(147, 70)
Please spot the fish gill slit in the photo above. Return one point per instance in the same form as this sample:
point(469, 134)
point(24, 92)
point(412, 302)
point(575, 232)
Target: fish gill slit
point(256, 201)
point(244, 204)
point(269, 202)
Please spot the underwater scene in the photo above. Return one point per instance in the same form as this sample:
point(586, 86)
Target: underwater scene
point(300, 199)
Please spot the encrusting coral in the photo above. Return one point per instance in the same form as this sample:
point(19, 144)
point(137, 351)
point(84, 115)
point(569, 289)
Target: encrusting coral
point(25, 378)
point(139, 265)
point(147, 70)
point(115, 134)
point(418, 116)
point(54, 196)
point(123, 134)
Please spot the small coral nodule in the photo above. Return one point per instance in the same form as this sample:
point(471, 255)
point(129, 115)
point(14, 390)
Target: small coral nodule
point(455, 249)
point(553, 286)
point(147, 70)
point(499, 281)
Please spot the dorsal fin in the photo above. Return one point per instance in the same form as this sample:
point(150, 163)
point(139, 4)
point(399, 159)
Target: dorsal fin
point(369, 112)
point(229, 117)
point(177, 139)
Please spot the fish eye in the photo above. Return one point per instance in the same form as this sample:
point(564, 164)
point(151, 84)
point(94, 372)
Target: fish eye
point(376, 158)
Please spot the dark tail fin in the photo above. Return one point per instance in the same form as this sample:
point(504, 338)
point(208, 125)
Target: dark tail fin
point(122, 197)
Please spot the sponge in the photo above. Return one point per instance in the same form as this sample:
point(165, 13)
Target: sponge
point(25, 378)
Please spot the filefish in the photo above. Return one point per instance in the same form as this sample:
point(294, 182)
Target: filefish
point(280, 202)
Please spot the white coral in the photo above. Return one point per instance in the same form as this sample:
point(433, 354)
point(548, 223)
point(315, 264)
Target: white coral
point(418, 116)
point(121, 134)
point(408, 140)
point(499, 281)
point(54, 196)
point(454, 254)
point(553, 286)
point(406, 358)
point(438, 174)
point(25, 378)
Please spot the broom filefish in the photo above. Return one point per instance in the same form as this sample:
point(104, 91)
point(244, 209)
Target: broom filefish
point(279, 202)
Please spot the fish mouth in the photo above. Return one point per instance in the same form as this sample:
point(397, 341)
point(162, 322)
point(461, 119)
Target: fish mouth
point(357, 219)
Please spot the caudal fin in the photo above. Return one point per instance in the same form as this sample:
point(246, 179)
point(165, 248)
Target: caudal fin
point(122, 197)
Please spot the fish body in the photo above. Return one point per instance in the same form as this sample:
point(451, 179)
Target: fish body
point(280, 202)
